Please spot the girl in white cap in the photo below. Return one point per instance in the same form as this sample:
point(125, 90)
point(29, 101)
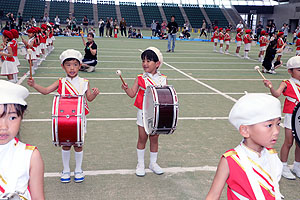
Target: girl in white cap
point(21, 165)
point(252, 170)
point(152, 59)
point(290, 89)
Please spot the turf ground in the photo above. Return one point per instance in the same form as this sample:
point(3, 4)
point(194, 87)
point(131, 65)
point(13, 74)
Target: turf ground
point(207, 84)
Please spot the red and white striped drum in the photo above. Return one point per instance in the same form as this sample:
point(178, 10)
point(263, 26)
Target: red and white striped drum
point(68, 120)
point(160, 110)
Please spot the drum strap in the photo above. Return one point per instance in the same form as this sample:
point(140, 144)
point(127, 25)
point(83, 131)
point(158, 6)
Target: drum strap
point(295, 89)
point(63, 82)
point(147, 79)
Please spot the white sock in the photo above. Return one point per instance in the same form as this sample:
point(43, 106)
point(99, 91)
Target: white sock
point(262, 57)
point(153, 157)
point(221, 48)
point(66, 160)
point(140, 155)
point(246, 53)
point(78, 160)
point(284, 164)
point(15, 77)
point(214, 47)
point(296, 164)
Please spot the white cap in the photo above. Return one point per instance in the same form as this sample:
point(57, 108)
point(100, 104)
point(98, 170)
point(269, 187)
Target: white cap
point(11, 93)
point(70, 53)
point(254, 108)
point(158, 53)
point(293, 62)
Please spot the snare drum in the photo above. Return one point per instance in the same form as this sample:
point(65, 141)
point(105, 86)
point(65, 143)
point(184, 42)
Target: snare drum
point(160, 110)
point(68, 120)
point(296, 123)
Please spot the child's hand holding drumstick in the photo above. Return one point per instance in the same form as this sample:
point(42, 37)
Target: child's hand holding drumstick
point(266, 82)
point(124, 85)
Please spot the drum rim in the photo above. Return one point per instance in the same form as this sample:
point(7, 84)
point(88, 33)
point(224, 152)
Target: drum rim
point(297, 107)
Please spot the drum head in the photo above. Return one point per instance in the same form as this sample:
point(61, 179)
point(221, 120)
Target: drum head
point(296, 123)
point(148, 110)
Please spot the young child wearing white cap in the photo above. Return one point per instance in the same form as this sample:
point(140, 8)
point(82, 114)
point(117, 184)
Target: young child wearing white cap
point(152, 60)
point(289, 88)
point(252, 170)
point(21, 165)
point(74, 85)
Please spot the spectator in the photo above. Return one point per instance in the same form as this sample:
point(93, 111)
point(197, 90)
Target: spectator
point(273, 28)
point(164, 27)
point(172, 28)
point(56, 21)
point(123, 27)
point(46, 18)
point(240, 25)
point(133, 35)
point(33, 21)
point(20, 22)
point(203, 28)
point(259, 28)
point(90, 58)
point(139, 34)
point(285, 30)
point(268, 28)
point(73, 22)
point(116, 27)
point(101, 24)
point(158, 28)
point(12, 21)
point(153, 28)
point(186, 26)
point(111, 21)
point(85, 24)
point(129, 33)
point(297, 30)
point(107, 26)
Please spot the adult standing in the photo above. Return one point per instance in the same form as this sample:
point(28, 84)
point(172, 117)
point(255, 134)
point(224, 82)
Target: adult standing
point(20, 22)
point(158, 28)
point(259, 28)
point(12, 21)
point(153, 28)
point(107, 26)
point(111, 21)
point(46, 18)
point(90, 58)
point(123, 27)
point(285, 30)
point(240, 25)
point(101, 25)
point(56, 22)
point(172, 29)
point(85, 24)
point(203, 28)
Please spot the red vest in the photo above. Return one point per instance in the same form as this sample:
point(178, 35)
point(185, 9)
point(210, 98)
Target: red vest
point(221, 36)
point(289, 106)
point(247, 39)
point(227, 37)
point(298, 44)
point(238, 37)
point(263, 41)
point(7, 58)
point(14, 46)
point(280, 43)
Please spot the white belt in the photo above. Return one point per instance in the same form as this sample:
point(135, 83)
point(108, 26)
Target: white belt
point(292, 100)
point(241, 197)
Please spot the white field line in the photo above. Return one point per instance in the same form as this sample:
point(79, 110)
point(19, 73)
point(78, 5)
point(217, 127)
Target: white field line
point(169, 170)
point(130, 119)
point(20, 81)
point(180, 93)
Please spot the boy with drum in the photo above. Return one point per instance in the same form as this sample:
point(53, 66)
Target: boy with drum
point(71, 61)
point(252, 170)
point(290, 89)
point(152, 60)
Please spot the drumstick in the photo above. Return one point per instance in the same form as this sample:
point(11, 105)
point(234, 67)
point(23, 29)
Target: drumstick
point(257, 69)
point(29, 51)
point(119, 73)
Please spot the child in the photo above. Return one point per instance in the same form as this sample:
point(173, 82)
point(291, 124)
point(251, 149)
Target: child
point(139, 34)
point(221, 39)
point(9, 67)
point(215, 38)
point(30, 45)
point(268, 65)
point(152, 60)
point(238, 38)
point(280, 43)
point(298, 45)
point(263, 41)
point(70, 62)
point(289, 88)
point(227, 40)
point(14, 46)
point(21, 165)
point(252, 170)
point(247, 41)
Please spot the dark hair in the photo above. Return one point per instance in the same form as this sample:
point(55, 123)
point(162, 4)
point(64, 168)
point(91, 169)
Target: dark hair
point(272, 45)
point(91, 34)
point(150, 55)
point(20, 109)
point(173, 16)
point(69, 59)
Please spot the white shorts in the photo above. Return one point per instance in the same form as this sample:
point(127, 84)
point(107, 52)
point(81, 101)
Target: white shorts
point(227, 42)
point(221, 41)
point(297, 52)
point(139, 118)
point(239, 43)
point(288, 121)
point(279, 54)
point(216, 40)
point(263, 48)
point(247, 47)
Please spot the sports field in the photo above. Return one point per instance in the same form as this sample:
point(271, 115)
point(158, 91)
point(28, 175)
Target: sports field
point(207, 84)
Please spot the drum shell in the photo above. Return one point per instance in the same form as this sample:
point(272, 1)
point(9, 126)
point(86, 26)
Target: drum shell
point(296, 123)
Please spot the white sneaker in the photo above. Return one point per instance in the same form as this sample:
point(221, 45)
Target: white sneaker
point(140, 170)
point(65, 177)
point(221, 52)
point(296, 171)
point(238, 55)
point(78, 177)
point(286, 173)
point(156, 168)
point(226, 52)
point(215, 50)
point(90, 69)
point(271, 72)
point(246, 57)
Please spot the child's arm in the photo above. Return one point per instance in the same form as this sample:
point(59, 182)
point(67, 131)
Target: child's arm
point(36, 174)
point(91, 95)
point(281, 49)
point(278, 92)
point(218, 184)
point(131, 92)
point(42, 89)
point(84, 43)
point(9, 54)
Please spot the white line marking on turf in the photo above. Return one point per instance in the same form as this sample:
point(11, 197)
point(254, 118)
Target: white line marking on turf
point(170, 170)
point(180, 93)
point(130, 119)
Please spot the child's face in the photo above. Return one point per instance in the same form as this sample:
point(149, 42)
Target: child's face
point(9, 124)
point(295, 73)
point(30, 35)
point(263, 134)
point(71, 68)
point(150, 66)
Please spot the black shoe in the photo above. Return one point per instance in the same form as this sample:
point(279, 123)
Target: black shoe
point(169, 50)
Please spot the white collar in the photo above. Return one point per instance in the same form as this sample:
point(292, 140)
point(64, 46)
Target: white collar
point(295, 80)
point(72, 79)
point(4, 146)
point(254, 155)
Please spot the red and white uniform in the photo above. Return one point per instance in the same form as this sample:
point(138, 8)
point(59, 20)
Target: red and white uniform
point(145, 80)
point(14, 46)
point(221, 38)
point(15, 167)
point(76, 86)
point(43, 38)
point(263, 43)
point(8, 65)
point(280, 43)
point(215, 37)
point(247, 42)
point(298, 47)
point(267, 169)
point(33, 55)
point(227, 38)
point(239, 39)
